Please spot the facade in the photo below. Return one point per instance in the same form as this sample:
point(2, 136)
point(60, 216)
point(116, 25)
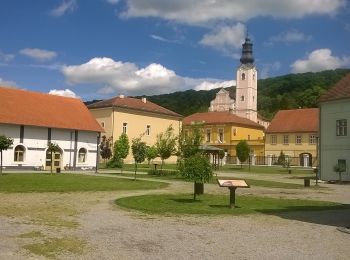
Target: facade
point(334, 134)
point(244, 102)
point(295, 132)
point(34, 119)
point(135, 117)
point(224, 130)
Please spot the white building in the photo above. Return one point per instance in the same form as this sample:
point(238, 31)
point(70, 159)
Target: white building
point(245, 103)
point(34, 119)
point(334, 135)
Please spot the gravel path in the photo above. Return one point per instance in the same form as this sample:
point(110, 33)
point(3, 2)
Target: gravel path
point(115, 233)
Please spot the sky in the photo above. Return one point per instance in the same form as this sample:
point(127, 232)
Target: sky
point(97, 49)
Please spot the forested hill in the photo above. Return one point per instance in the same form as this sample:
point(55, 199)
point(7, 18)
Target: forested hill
point(283, 92)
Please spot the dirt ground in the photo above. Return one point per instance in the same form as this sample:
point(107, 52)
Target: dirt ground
point(91, 226)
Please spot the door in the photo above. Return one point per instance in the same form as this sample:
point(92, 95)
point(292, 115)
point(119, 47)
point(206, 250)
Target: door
point(56, 161)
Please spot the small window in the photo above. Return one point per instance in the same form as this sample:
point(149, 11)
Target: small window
point(312, 139)
point(273, 139)
point(125, 128)
point(82, 155)
point(19, 153)
point(148, 130)
point(234, 131)
point(242, 98)
point(286, 139)
point(342, 127)
point(208, 135)
point(248, 137)
point(243, 76)
point(221, 135)
point(254, 76)
point(298, 139)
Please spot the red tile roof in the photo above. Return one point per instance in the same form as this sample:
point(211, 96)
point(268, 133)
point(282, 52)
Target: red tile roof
point(295, 121)
point(133, 103)
point(340, 90)
point(21, 107)
point(220, 118)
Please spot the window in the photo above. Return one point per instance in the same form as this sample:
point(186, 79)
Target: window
point(342, 127)
point(103, 124)
point(248, 137)
point(298, 139)
point(148, 130)
point(243, 76)
point(82, 155)
point(221, 135)
point(286, 139)
point(19, 153)
point(125, 128)
point(242, 98)
point(234, 131)
point(312, 139)
point(208, 135)
point(273, 139)
point(254, 76)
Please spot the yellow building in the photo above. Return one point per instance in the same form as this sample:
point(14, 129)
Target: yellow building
point(134, 117)
point(224, 130)
point(295, 132)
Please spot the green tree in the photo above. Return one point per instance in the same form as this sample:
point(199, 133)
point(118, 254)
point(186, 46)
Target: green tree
point(242, 151)
point(339, 168)
point(5, 143)
point(151, 153)
point(105, 148)
point(166, 144)
point(138, 149)
point(52, 148)
point(282, 159)
point(193, 165)
point(120, 152)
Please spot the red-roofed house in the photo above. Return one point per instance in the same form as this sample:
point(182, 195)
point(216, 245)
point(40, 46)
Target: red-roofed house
point(134, 117)
point(334, 134)
point(33, 119)
point(295, 133)
point(224, 130)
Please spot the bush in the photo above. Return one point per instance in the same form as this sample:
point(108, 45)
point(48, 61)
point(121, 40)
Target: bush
point(162, 172)
point(114, 163)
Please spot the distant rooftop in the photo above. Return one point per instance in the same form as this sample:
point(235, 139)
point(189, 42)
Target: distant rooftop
point(340, 90)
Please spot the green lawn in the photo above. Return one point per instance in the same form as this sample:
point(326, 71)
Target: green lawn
point(39, 182)
point(180, 204)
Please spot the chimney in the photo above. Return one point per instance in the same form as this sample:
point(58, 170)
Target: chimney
point(144, 100)
point(121, 96)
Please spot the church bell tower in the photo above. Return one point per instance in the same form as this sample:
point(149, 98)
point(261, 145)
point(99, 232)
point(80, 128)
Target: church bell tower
point(246, 84)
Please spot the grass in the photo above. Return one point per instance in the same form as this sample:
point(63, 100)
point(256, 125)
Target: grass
point(39, 182)
point(50, 248)
point(183, 204)
point(265, 169)
point(33, 234)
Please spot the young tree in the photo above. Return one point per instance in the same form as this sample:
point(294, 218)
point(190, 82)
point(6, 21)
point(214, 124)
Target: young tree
point(105, 148)
point(5, 143)
point(281, 159)
point(166, 144)
point(120, 151)
point(138, 149)
point(193, 164)
point(242, 151)
point(151, 153)
point(52, 148)
point(339, 168)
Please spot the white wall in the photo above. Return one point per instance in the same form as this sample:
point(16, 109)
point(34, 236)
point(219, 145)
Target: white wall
point(35, 143)
point(333, 147)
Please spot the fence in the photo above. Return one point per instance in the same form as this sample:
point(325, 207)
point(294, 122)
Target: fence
point(273, 160)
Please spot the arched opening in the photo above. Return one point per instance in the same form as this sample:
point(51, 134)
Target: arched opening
point(305, 159)
point(243, 76)
point(82, 155)
point(56, 159)
point(19, 153)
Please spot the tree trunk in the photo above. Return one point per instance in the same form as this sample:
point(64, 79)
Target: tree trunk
point(51, 161)
point(135, 171)
point(1, 163)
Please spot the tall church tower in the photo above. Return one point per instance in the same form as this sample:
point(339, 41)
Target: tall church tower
point(246, 84)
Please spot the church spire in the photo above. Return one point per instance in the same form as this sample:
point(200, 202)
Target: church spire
point(247, 51)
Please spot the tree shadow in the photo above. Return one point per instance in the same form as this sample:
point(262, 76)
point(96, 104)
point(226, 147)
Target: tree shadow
point(322, 215)
point(186, 200)
point(224, 206)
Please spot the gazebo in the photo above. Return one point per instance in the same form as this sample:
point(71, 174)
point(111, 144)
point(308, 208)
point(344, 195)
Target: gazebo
point(212, 152)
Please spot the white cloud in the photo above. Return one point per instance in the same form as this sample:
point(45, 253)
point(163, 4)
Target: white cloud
point(67, 6)
point(204, 11)
point(63, 93)
point(319, 60)
point(38, 54)
point(7, 83)
point(162, 39)
point(206, 85)
point(6, 57)
point(127, 78)
point(226, 37)
point(288, 37)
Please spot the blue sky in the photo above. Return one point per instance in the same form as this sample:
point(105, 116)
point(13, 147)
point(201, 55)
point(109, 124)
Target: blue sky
point(103, 48)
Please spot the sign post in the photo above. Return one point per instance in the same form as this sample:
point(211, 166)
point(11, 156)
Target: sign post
point(232, 185)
